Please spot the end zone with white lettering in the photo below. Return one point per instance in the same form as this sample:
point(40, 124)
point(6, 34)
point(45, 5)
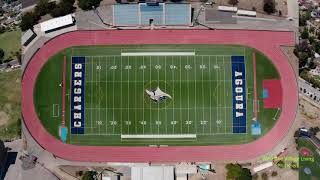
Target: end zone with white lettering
point(239, 121)
point(77, 95)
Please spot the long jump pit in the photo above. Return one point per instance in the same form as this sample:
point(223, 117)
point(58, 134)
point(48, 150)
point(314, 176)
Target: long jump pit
point(160, 95)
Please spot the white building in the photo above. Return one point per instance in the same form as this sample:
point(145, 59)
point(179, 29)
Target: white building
point(57, 23)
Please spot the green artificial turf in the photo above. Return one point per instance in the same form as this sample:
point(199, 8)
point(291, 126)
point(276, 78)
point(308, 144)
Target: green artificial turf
point(116, 102)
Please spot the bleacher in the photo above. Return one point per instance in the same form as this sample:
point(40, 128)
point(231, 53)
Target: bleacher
point(126, 14)
point(154, 12)
point(145, 14)
point(173, 18)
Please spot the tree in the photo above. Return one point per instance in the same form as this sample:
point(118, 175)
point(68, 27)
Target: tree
point(316, 46)
point(314, 130)
point(3, 151)
point(280, 164)
point(303, 59)
point(302, 21)
point(88, 4)
point(1, 54)
point(28, 20)
point(233, 2)
point(17, 54)
point(274, 173)
point(307, 15)
point(245, 174)
point(264, 176)
point(311, 29)
point(42, 7)
point(311, 39)
point(305, 34)
point(89, 175)
point(269, 6)
point(304, 75)
point(63, 8)
point(312, 64)
point(235, 171)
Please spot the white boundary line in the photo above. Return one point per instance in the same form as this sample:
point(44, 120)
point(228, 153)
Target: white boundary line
point(158, 76)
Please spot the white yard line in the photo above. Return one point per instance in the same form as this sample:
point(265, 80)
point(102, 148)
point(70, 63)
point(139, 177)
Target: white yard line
point(195, 99)
point(106, 66)
point(128, 118)
point(173, 119)
point(188, 95)
point(224, 95)
point(91, 119)
point(143, 91)
point(99, 94)
point(210, 89)
point(121, 94)
point(202, 96)
point(217, 75)
point(158, 103)
point(157, 54)
point(135, 97)
point(180, 96)
point(113, 120)
point(165, 86)
point(150, 116)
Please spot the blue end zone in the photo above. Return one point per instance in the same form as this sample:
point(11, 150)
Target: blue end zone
point(77, 95)
point(256, 128)
point(265, 94)
point(239, 121)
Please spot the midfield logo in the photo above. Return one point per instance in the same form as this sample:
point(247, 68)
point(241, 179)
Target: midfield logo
point(157, 95)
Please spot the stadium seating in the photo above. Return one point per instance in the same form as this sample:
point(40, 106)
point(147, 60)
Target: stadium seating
point(173, 18)
point(126, 14)
point(159, 14)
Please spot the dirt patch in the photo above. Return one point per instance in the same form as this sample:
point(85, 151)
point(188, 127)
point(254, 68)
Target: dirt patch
point(281, 5)
point(4, 118)
point(310, 112)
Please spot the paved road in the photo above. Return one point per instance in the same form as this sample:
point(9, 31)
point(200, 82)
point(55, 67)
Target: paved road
point(293, 11)
point(15, 171)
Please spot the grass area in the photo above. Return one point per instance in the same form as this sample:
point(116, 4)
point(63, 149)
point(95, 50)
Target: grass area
point(313, 163)
point(193, 102)
point(10, 42)
point(53, 67)
point(10, 104)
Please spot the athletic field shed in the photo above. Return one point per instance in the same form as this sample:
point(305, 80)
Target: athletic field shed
point(145, 14)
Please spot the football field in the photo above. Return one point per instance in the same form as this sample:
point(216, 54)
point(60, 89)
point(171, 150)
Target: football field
point(119, 104)
point(116, 101)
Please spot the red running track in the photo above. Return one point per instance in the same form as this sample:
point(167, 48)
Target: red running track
point(267, 42)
